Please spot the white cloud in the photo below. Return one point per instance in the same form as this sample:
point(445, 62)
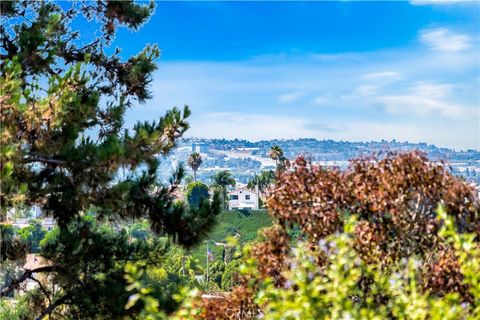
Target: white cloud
point(251, 126)
point(365, 90)
point(420, 105)
point(256, 127)
point(372, 83)
point(426, 99)
point(439, 2)
point(442, 39)
point(320, 100)
point(441, 133)
point(290, 97)
point(433, 90)
point(382, 75)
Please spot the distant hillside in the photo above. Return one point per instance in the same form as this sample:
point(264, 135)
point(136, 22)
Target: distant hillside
point(336, 150)
point(245, 158)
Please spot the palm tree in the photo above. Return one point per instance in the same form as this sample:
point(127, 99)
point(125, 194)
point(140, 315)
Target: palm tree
point(195, 161)
point(276, 153)
point(254, 181)
point(267, 178)
point(222, 180)
point(263, 181)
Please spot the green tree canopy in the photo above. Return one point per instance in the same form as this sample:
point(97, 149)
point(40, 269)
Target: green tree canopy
point(32, 235)
point(197, 192)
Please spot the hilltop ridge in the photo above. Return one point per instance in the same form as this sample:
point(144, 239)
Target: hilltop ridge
point(245, 158)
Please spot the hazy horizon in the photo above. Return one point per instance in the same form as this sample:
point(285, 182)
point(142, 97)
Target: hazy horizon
point(327, 139)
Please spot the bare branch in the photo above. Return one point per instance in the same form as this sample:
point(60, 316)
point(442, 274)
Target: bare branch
point(53, 306)
point(25, 276)
point(42, 288)
point(43, 160)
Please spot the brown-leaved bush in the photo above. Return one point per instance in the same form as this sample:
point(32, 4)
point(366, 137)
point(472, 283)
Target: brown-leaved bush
point(394, 198)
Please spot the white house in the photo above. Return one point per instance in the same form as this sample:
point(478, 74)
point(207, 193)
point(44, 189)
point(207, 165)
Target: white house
point(242, 199)
point(47, 223)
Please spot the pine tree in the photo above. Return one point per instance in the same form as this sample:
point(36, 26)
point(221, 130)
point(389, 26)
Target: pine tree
point(63, 144)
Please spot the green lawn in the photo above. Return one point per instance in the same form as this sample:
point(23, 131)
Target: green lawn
point(228, 223)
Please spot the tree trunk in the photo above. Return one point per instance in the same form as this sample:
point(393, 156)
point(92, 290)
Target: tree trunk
point(224, 196)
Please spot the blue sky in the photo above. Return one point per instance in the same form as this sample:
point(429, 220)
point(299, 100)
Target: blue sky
point(327, 70)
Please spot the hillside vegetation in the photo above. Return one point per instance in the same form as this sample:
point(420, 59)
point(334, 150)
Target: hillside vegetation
point(247, 224)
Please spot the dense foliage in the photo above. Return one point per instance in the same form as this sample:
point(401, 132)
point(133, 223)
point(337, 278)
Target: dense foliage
point(369, 242)
point(346, 286)
point(196, 193)
point(64, 148)
point(32, 235)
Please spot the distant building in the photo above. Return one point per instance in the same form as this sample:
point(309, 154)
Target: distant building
point(33, 212)
point(242, 199)
point(200, 147)
point(47, 223)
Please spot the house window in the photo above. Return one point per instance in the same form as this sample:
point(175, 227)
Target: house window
point(247, 197)
point(234, 197)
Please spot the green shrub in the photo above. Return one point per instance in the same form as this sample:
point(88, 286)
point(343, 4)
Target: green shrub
point(230, 275)
point(334, 291)
point(32, 235)
point(347, 287)
point(196, 193)
point(13, 310)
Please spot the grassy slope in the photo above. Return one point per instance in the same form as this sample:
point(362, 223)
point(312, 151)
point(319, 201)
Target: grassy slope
point(228, 222)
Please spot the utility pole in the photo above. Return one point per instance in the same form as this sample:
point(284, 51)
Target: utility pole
point(183, 265)
point(257, 191)
point(207, 261)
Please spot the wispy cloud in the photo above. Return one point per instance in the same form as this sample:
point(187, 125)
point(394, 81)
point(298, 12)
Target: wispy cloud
point(366, 90)
point(423, 98)
point(420, 105)
point(439, 2)
point(290, 97)
point(320, 100)
point(442, 39)
point(382, 75)
point(433, 90)
point(252, 126)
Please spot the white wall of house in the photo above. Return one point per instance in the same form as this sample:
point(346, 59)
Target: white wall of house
point(242, 198)
point(47, 223)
